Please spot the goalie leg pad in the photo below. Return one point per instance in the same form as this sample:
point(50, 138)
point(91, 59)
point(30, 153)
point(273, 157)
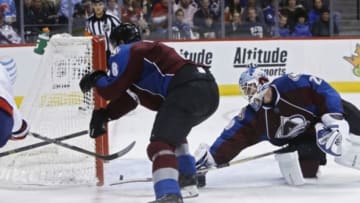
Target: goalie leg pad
point(350, 156)
point(290, 168)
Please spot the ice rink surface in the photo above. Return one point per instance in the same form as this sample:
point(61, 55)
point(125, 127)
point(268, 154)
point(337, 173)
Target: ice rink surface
point(255, 181)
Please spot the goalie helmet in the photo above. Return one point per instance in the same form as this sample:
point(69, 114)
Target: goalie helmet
point(9, 65)
point(124, 33)
point(253, 81)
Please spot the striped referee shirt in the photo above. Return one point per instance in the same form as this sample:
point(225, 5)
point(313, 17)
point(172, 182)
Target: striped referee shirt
point(102, 26)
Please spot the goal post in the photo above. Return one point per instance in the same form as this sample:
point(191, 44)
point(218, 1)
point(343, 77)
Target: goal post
point(102, 142)
point(55, 106)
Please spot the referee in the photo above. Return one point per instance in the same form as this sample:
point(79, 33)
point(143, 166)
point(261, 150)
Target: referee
point(101, 22)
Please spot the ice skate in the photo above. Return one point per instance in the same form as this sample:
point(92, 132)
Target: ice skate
point(169, 198)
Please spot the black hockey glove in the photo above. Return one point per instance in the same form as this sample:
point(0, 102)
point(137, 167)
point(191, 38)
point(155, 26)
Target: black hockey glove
point(89, 80)
point(98, 122)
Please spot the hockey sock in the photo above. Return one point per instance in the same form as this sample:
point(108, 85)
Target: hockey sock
point(165, 173)
point(185, 160)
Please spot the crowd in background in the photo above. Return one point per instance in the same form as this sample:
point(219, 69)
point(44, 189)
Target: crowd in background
point(174, 19)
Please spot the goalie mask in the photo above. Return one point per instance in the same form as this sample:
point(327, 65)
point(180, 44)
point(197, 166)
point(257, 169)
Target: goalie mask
point(253, 84)
point(125, 33)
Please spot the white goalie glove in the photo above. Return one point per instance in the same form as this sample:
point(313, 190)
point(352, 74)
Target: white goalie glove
point(203, 158)
point(330, 132)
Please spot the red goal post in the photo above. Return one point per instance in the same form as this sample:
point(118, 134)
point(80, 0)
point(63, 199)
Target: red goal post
point(100, 63)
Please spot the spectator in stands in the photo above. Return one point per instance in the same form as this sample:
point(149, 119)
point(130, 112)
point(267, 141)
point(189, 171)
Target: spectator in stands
point(306, 4)
point(42, 13)
point(269, 14)
point(291, 8)
point(146, 6)
point(79, 20)
point(233, 7)
point(314, 13)
point(52, 11)
point(181, 30)
point(302, 27)
point(159, 18)
point(215, 8)
point(321, 27)
point(132, 12)
point(88, 7)
point(189, 8)
point(31, 33)
point(7, 32)
point(113, 7)
point(253, 26)
point(204, 19)
point(66, 9)
point(283, 29)
point(235, 28)
point(9, 10)
point(209, 29)
point(29, 17)
point(252, 4)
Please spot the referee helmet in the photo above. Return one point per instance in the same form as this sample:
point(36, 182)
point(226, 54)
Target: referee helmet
point(125, 33)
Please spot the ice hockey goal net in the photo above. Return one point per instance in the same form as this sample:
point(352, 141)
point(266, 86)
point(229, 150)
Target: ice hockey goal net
point(55, 107)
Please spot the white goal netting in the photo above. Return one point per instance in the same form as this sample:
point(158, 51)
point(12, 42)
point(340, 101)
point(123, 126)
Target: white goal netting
point(56, 107)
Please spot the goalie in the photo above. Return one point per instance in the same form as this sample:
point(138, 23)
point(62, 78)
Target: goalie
point(13, 126)
point(302, 112)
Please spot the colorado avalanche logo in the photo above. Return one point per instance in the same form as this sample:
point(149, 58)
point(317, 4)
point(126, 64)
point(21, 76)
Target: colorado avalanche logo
point(291, 126)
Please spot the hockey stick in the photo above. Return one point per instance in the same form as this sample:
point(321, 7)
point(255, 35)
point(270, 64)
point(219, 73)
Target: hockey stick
point(239, 161)
point(84, 151)
point(40, 144)
point(250, 158)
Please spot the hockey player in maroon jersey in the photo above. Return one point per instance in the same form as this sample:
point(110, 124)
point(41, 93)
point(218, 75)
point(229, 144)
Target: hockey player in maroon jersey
point(300, 111)
point(183, 93)
point(12, 124)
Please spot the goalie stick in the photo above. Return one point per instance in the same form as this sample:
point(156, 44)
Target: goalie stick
point(84, 151)
point(40, 144)
point(149, 179)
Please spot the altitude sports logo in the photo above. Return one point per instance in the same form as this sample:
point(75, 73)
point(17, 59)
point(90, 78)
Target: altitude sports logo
point(273, 62)
point(203, 56)
point(355, 61)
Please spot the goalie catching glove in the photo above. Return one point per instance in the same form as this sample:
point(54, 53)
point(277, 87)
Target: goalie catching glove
point(98, 122)
point(89, 80)
point(329, 133)
point(203, 158)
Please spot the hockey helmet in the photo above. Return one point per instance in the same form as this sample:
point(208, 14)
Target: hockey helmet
point(125, 33)
point(252, 81)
